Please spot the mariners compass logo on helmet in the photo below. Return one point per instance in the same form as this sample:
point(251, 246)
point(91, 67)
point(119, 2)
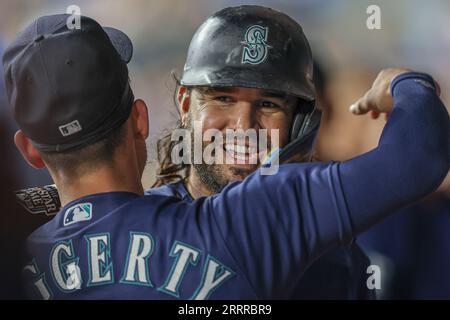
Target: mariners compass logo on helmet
point(255, 45)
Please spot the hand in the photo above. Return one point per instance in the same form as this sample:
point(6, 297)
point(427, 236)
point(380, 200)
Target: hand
point(379, 98)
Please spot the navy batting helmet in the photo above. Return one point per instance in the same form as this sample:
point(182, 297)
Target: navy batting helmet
point(257, 47)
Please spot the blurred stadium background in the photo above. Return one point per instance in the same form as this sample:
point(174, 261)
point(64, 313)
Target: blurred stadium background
point(413, 247)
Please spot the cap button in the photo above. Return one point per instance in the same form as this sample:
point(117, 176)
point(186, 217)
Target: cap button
point(39, 38)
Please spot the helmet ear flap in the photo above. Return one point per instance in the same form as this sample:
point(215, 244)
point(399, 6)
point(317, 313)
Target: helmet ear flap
point(302, 123)
point(297, 124)
point(303, 132)
point(311, 124)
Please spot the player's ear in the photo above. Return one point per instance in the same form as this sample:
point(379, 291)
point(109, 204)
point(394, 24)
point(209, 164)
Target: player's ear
point(140, 119)
point(183, 97)
point(184, 102)
point(28, 151)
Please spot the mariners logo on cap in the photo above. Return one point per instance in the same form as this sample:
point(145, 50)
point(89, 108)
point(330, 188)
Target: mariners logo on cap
point(255, 45)
point(77, 213)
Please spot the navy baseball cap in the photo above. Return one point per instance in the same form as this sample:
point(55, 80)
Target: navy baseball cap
point(68, 87)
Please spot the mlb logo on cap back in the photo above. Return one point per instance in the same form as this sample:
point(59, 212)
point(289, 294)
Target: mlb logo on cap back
point(70, 128)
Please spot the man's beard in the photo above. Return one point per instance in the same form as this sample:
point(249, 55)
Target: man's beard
point(213, 177)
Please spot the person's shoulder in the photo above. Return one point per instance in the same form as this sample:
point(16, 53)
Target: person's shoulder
point(175, 189)
point(155, 211)
point(91, 209)
point(44, 231)
point(165, 190)
point(155, 202)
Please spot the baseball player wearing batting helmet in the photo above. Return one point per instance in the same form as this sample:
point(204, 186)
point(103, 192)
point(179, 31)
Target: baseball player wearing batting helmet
point(71, 98)
point(252, 68)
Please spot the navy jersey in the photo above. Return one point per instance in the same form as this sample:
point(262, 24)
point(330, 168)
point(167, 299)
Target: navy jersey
point(253, 240)
point(257, 237)
point(339, 274)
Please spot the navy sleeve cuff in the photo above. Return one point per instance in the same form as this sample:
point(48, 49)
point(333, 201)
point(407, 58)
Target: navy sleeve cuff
point(421, 78)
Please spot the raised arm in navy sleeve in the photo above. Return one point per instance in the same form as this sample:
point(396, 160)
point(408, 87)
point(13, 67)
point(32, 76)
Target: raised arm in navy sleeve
point(275, 226)
point(411, 160)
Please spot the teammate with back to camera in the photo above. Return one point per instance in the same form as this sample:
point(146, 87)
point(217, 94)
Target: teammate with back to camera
point(161, 247)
